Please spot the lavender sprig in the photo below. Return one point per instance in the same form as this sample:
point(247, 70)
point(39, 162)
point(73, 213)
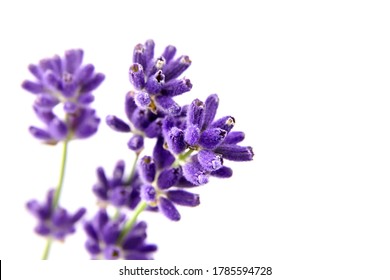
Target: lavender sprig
point(62, 81)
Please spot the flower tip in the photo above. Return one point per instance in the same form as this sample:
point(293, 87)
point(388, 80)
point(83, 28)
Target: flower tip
point(186, 60)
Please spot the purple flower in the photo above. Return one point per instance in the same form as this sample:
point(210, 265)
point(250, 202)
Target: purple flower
point(118, 190)
point(157, 190)
point(57, 222)
point(156, 79)
point(213, 139)
point(105, 241)
point(67, 82)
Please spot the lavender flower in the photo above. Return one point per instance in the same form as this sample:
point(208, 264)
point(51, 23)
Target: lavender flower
point(105, 240)
point(213, 139)
point(155, 79)
point(64, 81)
point(156, 189)
point(57, 222)
point(118, 190)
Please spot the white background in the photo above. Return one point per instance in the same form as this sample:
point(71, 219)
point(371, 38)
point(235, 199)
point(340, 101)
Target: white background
point(308, 82)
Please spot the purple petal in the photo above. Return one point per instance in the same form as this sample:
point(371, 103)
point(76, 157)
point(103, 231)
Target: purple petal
point(90, 231)
point(42, 229)
point(101, 176)
point(117, 124)
point(195, 173)
point(137, 76)
point(119, 171)
point(192, 135)
point(147, 169)
point(148, 193)
point(211, 106)
point(167, 105)
point(234, 137)
point(86, 98)
point(176, 67)
point(100, 191)
point(196, 113)
point(211, 138)
point(92, 247)
point(176, 87)
point(155, 66)
point(32, 87)
point(154, 129)
point(175, 140)
point(73, 59)
point(36, 71)
point(155, 83)
point(136, 143)
point(46, 101)
point(70, 107)
point(235, 152)
point(169, 53)
point(101, 219)
point(169, 177)
point(149, 50)
point(139, 55)
point(93, 83)
point(168, 209)
point(60, 217)
point(130, 105)
point(210, 160)
point(58, 129)
point(40, 133)
point(183, 198)
point(142, 99)
point(140, 119)
point(223, 172)
point(161, 156)
point(119, 196)
point(225, 123)
point(78, 215)
point(110, 233)
point(85, 73)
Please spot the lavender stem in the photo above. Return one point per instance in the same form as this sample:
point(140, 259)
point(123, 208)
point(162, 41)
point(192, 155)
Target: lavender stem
point(130, 223)
point(57, 194)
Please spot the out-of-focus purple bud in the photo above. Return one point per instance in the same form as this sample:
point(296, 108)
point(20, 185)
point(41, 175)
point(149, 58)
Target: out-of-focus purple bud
point(183, 198)
point(136, 143)
point(117, 124)
point(147, 169)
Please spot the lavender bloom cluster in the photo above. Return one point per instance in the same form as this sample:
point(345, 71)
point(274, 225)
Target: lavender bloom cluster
point(54, 222)
point(67, 82)
point(191, 145)
point(61, 81)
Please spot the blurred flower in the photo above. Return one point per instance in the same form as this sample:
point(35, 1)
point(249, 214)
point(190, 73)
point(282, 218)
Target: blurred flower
point(118, 190)
point(105, 240)
point(64, 81)
point(57, 222)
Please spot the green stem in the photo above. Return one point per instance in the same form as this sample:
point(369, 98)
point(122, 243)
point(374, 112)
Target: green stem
point(133, 168)
point(57, 194)
point(45, 255)
point(62, 174)
point(182, 157)
point(130, 223)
